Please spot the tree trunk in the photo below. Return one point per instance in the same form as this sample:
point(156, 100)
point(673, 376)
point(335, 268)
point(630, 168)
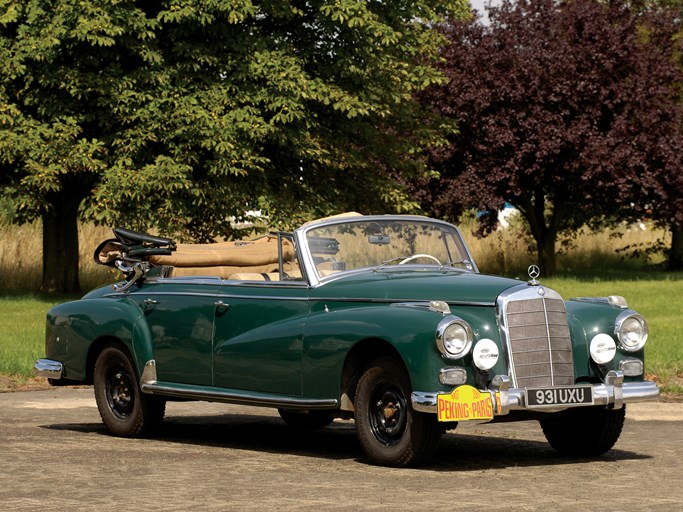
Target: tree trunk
point(545, 235)
point(676, 252)
point(60, 246)
point(547, 258)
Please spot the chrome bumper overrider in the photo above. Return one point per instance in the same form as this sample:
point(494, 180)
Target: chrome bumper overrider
point(612, 393)
point(48, 368)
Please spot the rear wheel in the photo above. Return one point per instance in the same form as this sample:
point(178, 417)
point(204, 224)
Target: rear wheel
point(124, 409)
point(585, 432)
point(390, 432)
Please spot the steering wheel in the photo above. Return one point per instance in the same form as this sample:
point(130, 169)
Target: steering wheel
point(415, 256)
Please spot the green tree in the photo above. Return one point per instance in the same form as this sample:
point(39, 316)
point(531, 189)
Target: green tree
point(182, 114)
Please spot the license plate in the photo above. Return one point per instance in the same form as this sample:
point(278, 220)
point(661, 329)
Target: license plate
point(560, 396)
point(465, 403)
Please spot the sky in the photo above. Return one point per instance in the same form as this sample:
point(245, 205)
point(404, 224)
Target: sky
point(479, 5)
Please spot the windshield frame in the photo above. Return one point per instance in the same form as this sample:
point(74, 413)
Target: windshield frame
point(307, 258)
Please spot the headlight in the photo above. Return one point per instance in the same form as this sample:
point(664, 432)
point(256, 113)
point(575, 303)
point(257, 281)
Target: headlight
point(631, 331)
point(454, 337)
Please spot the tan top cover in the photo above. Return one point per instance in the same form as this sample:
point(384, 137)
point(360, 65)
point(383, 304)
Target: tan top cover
point(255, 253)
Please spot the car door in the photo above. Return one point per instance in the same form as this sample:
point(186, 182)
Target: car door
point(180, 315)
point(258, 336)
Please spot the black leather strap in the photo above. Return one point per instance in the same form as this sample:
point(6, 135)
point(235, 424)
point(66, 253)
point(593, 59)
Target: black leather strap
point(134, 237)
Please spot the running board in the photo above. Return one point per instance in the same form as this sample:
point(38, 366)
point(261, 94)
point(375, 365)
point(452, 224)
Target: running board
point(149, 385)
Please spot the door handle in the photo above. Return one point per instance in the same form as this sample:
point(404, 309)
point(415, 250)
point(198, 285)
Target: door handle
point(221, 307)
point(148, 304)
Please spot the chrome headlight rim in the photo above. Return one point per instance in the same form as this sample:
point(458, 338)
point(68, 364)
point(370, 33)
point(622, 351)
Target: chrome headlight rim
point(622, 321)
point(442, 330)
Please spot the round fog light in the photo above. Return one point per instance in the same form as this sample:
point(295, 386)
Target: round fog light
point(603, 348)
point(485, 354)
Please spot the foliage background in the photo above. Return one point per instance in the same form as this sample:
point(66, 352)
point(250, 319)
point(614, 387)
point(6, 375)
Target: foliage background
point(186, 114)
point(570, 111)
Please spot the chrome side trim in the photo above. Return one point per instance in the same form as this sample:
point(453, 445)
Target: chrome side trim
point(612, 394)
point(213, 295)
point(399, 302)
point(235, 396)
point(48, 369)
point(359, 300)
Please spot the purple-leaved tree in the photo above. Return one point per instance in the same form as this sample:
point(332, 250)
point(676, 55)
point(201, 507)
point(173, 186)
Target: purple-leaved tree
point(567, 110)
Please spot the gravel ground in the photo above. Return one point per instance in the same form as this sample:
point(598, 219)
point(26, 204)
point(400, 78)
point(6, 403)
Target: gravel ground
point(55, 454)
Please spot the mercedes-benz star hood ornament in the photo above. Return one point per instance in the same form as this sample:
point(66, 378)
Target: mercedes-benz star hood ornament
point(534, 273)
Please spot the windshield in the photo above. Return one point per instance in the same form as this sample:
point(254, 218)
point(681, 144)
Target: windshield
point(383, 243)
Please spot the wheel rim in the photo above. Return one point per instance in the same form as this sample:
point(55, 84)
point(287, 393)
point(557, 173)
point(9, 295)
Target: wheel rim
point(388, 413)
point(120, 394)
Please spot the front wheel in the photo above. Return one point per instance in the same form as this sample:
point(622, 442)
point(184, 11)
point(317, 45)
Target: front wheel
point(124, 409)
point(390, 432)
point(585, 432)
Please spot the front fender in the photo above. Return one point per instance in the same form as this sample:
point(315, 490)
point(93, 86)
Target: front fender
point(75, 332)
point(586, 319)
point(331, 333)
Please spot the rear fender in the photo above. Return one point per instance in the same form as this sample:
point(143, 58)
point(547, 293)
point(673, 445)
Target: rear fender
point(77, 331)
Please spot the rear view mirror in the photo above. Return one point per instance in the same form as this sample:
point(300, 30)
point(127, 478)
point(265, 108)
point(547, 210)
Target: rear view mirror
point(379, 239)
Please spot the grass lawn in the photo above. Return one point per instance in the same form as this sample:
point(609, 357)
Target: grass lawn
point(660, 302)
point(656, 296)
point(22, 336)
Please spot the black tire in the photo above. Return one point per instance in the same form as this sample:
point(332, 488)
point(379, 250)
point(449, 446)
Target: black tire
point(124, 409)
point(390, 432)
point(306, 420)
point(588, 432)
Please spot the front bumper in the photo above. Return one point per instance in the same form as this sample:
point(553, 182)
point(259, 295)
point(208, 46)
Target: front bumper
point(611, 394)
point(48, 368)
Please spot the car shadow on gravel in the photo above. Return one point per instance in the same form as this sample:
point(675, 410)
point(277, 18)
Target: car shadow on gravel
point(457, 452)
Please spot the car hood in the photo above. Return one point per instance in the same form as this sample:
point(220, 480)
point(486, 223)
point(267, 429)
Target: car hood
point(453, 287)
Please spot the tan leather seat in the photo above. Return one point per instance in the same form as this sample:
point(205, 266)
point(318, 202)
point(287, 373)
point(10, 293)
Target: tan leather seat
point(255, 276)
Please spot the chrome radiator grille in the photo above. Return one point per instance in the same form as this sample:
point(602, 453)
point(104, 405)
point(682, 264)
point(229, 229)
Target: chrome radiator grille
point(539, 345)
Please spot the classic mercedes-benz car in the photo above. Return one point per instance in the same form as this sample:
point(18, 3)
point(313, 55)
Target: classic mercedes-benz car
point(384, 319)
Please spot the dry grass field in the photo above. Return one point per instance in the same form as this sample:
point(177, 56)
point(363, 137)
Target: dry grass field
point(510, 251)
point(505, 252)
point(21, 257)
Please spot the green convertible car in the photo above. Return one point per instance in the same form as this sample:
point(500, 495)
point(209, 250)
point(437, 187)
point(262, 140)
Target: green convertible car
point(384, 319)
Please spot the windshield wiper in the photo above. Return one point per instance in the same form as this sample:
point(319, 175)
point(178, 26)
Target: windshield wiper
point(387, 263)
